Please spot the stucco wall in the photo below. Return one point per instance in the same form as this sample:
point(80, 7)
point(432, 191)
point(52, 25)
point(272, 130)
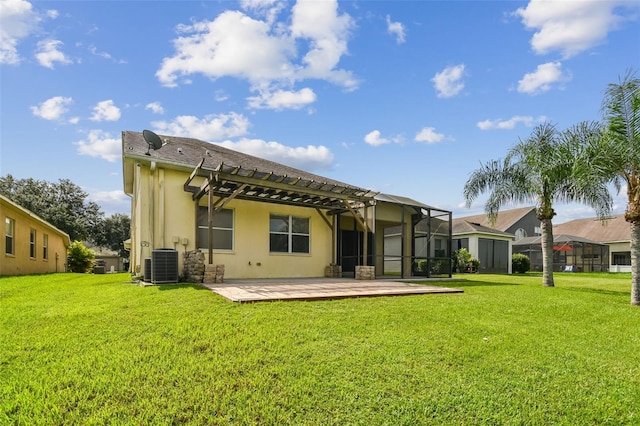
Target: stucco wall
point(163, 213)
point(20, 263)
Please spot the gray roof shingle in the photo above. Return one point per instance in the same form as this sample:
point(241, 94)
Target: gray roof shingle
point(188, 152)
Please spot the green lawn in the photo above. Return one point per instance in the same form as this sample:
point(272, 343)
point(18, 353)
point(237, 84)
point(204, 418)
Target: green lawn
point(94, 349)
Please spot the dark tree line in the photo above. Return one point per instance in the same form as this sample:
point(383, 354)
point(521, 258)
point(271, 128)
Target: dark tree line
point(64, 204)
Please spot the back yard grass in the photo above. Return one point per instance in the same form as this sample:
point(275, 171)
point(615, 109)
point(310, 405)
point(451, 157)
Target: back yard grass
point(94, 349)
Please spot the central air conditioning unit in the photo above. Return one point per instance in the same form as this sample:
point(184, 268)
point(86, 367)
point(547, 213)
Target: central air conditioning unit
point(164, 266)
point(147, 270)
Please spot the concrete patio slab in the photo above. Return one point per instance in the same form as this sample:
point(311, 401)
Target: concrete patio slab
point(243, 291)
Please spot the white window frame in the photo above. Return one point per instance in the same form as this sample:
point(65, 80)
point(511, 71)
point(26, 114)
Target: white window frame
point(45, 246)
point(290, 234)
point(203, 245)
point(32, 243)
point(10, 236)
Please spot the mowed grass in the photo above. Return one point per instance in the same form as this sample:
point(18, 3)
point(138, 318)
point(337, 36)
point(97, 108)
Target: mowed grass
point(94, 349)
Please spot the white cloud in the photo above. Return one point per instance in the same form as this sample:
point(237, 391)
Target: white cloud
point(374, 138)
point(94, 51)
point(270, 55)
point(155, 107)
point(397, 29)
point(109, 197)
point(17, 21)
point(309, 158)
point(211, 127)
point(571, 26)
point(53, 108)
point(269, 9)
point(231, 45)
point(543, 78)
point(449, 82)
point(328, 33)
point(283, 99)
point(110, 201)
point(429, 135)
point(100, 144)
point(511, 123)
point(48, 53)
point(221, 96)
point(105, 111)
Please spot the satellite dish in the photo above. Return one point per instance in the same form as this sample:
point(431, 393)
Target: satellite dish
point(153, 141)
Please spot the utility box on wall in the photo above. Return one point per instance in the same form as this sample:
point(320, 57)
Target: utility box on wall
point(164, 266)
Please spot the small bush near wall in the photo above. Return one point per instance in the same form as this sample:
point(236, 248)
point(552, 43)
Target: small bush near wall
point(520, 263)
point(79, 257)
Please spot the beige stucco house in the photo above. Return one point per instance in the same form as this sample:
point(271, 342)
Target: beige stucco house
point(261, 219)
point(614, 232)
point(492, 247)
point(30, 245)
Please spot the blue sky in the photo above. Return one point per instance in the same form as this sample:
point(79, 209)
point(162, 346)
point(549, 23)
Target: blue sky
point(402, 97)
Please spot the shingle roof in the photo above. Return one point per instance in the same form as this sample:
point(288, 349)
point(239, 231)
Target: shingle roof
point(615, 229)
point(397, 199)
point(189, 152)
point(505, 219)
point(460, 226)
point(65, 237)
point(557, 239)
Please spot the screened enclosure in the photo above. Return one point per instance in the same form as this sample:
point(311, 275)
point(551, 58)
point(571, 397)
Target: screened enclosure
point(570, 254)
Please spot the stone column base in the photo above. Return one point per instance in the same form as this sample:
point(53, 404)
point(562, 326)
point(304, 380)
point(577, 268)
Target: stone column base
point(365, 272)
point(213, 274)
point(333, 271)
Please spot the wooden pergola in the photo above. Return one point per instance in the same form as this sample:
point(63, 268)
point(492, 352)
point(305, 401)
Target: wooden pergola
point(230, 182)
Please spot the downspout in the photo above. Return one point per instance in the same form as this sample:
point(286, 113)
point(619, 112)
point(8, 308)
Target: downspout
point(152, 190)
point(161, 221)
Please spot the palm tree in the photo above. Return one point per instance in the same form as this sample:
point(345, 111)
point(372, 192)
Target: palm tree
point(619, 158)
point(540, 170)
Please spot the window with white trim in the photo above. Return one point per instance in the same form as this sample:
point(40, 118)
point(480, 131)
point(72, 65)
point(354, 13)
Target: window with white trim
point(9, 239)
point(32, 243)
point(222, 229)
point(288, 234)
point(45, 246)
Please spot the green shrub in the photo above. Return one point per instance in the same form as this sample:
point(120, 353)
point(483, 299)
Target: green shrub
point(462, 259)
point(440, 267)
point(79, 257)
point(520, 263)
point(475, 263)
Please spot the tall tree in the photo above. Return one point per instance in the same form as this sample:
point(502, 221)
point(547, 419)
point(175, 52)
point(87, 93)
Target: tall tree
point(113, 231)
point(619, 158)
point(539, 170)
point(63, 204)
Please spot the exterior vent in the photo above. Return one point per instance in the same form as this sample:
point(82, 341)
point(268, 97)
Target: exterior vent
point(164, 266)
point(147, 270)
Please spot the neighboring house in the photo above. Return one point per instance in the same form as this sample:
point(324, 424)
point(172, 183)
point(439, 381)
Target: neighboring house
point(570, 253)
point(491, 246)
point(492, 243)
point(614, 233)
point(30, 244)
point(261, 219)
point(521, 222)
point(111, 260)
